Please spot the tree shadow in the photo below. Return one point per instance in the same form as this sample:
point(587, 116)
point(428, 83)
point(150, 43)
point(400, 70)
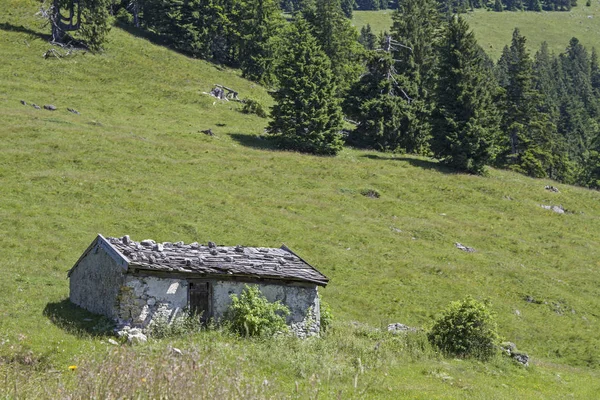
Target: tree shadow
point(5, 26)
point(75, 320)
point(161, 40)
point(253, 141)
point(416, 162)
point(152, 37)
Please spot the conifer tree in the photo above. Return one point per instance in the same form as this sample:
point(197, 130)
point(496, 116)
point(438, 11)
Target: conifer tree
point(377, 104)
point(338, 38)
point(526, 146)
point(367, 38)
point(307, 116)
point(595, 72)
point(260, 23)
point(415, 29)
point(90, 21)
point(464, 121)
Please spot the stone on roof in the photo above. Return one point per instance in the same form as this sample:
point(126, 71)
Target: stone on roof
point(214, 260)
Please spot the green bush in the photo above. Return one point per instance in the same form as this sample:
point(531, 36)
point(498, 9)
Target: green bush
point(251, 314)
point(326, 317)
point(252, 106)
point(466, 328)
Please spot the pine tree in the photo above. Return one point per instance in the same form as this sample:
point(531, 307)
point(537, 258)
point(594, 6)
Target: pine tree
point(415, 31)
point(307, 116)
point(595, 72)
point(260, 23)
point(367, 38)
point(378, 105)
point(338, 38)
point(464, 120)
point(348, 7)
point(578, 102)
point(528, 144)
point(498, 6)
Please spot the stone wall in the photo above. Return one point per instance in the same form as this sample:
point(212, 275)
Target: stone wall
point(303, 302)
point(143, 298)
point(95, 282)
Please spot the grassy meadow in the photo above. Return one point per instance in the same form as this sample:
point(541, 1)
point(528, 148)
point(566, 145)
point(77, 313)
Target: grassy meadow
point(134, 162)
point(494, 29)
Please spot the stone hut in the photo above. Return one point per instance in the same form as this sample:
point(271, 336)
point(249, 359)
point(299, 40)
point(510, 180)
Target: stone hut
point(134, 282)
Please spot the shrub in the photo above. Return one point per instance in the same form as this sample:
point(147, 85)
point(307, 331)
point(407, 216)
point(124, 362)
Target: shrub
point(466, 328)
point(252, 106)
point(251, 314)
point(326, 317)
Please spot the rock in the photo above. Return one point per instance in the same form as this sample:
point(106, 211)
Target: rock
point(36, 106)
point(148, 243)
point(521, 358)
point(552, 189)
point(176, 351)
point(394, 229)
point(50, 107)
point(74, 111)
point(23, 102)
point(126, 239)
point(136, 338)
point(151, 301)
point(556, 209)
point(158, 247)
point(113, 342)
point(508, 347)
point(464, 248)
point(211, 245)
point(397, 327)
point(208, 132)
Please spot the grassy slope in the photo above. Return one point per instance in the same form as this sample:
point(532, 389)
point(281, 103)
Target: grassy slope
point(133, 162)
point(494, 30)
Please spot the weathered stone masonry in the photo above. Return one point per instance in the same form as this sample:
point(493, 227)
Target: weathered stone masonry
point(136, 282)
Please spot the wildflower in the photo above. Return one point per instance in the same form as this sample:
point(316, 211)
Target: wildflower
point(143, 379)
point(72, 367)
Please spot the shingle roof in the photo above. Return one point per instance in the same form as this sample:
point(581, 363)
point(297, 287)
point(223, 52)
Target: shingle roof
point(195, 258)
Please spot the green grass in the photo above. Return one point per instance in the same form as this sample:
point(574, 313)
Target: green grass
point(135, 163)
point(494, 30)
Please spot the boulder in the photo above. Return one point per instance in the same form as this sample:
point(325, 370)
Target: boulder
point(397, 327)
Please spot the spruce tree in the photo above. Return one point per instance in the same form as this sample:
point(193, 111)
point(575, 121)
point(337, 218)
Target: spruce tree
point(415, 31)
point(338, 38)
point(595, 72)
point(464, 121)
point(307, 116)
point(260, 22)
point(526, 142)
point(367, 38)
point(377, 104)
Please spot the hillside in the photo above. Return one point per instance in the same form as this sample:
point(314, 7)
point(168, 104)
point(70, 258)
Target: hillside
point(134, 162)
point(494, 29)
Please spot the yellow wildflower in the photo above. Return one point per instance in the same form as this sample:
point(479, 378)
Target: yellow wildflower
point(72, 367)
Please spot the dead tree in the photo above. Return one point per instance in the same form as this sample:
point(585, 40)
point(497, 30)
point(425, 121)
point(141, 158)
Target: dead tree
point(60, 23)
point(389, 46)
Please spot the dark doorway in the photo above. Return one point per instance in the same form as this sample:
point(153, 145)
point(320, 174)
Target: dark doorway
point(200, 299)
